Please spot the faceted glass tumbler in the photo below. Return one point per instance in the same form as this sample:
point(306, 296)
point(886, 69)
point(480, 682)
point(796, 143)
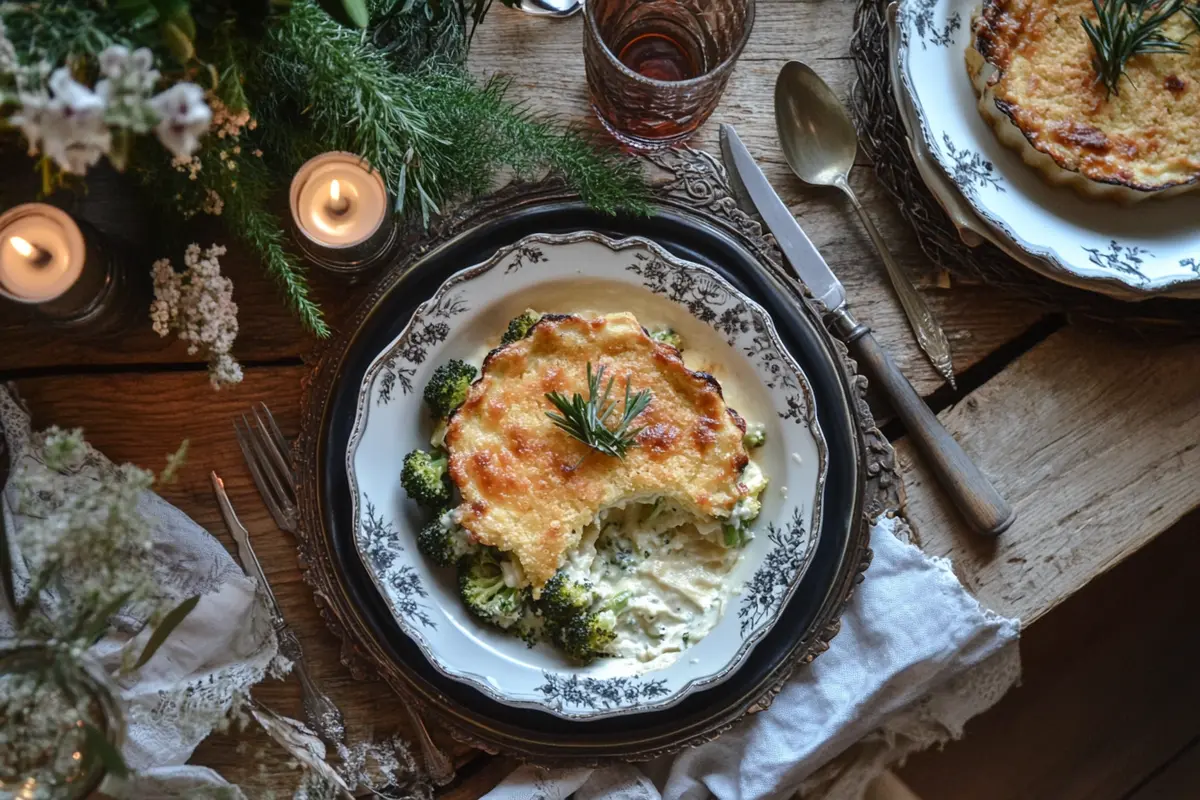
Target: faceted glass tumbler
point(656, 69)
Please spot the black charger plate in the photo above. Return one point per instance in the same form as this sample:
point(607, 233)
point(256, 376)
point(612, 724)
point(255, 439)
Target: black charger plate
point(861, 480)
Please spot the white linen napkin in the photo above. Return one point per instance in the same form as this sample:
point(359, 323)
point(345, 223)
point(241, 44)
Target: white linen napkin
point(917, 656)
point(222, 648)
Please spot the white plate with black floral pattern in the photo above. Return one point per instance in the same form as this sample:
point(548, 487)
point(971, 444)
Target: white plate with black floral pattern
point(1130, 252)
point(725, 333)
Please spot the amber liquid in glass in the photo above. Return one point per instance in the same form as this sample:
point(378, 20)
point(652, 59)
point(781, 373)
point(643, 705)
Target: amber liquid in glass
point(659, 57)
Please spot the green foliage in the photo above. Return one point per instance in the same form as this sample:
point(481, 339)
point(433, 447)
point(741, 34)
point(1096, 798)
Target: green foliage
point(519, 327)
point(398, 94)
point(170, 623)
point(434, 133)
point(425, 480)
point(447, 389)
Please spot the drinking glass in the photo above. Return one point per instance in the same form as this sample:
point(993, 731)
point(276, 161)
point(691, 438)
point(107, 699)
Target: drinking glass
point(656, 68)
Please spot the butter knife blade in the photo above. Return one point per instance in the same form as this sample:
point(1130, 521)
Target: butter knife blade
point(793, 242)
point(241, 537)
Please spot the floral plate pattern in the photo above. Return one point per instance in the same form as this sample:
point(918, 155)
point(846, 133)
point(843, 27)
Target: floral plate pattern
point(725, 332)
point(1130, 252)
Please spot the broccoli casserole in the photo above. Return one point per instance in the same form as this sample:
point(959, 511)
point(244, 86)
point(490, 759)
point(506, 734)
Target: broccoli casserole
point(590, 489)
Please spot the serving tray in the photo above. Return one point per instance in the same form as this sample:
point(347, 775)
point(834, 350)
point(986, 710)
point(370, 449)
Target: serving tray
point(696, 220)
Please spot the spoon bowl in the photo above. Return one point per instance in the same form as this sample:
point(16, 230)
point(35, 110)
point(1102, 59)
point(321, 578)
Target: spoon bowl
point(815, 132)
point(556, 9)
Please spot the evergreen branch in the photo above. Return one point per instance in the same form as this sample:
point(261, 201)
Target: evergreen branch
point(433, 132)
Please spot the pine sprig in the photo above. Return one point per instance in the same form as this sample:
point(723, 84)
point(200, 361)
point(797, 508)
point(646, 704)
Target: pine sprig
point(434, 133)
point(1125, 29)
point(587, 419)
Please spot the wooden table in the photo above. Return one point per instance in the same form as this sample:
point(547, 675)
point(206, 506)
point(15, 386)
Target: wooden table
point(1092, 436)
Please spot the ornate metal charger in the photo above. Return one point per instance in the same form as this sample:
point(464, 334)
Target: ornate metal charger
point(694, 182)
point(884, 140)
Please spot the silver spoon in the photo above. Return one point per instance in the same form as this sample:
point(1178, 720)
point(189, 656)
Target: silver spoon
point(556, 9)
point(820, 143)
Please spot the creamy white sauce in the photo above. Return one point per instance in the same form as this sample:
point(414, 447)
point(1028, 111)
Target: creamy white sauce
point(674, 571)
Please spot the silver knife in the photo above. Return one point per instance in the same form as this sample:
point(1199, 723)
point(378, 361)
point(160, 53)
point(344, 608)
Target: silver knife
point(971, 491)
point(324, 716)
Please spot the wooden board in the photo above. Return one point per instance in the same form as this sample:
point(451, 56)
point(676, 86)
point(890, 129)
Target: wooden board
point(1093, 440)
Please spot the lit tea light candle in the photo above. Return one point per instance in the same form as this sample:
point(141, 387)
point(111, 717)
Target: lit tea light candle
point(42, 253)
point(338, 201)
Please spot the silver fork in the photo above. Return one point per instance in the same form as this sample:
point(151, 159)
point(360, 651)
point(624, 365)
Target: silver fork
point(267, 455)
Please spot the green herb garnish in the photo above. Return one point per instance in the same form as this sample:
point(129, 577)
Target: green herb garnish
point(1128, 28)
point(587, 420)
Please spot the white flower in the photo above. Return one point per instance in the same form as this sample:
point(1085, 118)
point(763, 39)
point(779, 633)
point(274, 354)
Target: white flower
point(68, 126)
point(183, 117)
point(197, 304)
point(8, 53)
point(128, 80)
point(135, 69)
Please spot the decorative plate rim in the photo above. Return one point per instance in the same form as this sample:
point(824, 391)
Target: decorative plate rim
point(1108, 281)
point(479, 682)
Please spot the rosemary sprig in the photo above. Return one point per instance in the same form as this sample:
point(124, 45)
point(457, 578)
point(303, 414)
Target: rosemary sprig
point(587, 420)
point(1193, 13)
point(1128, 28)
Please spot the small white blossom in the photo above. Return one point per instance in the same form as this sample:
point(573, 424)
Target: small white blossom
point(128, 80)
point(197, 304)
point(68, 125)
point(226, 123)
point(213, 203)
point(183, 117)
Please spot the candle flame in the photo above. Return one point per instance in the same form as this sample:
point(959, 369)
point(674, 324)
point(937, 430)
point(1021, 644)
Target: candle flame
point(21, 246)
point(335, 190)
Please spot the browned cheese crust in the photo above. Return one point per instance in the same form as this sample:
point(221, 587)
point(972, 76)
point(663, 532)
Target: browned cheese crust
point(521, 489)
point(1145, 139)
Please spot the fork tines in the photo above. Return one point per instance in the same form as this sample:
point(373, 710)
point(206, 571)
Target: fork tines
point(266, 452)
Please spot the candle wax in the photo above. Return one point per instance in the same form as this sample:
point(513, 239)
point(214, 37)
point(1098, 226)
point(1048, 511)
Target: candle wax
point(357, 211)
point(26, 278)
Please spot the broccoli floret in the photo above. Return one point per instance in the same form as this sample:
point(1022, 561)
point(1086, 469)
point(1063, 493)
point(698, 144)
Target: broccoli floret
point(447, 389)
point(519, 327)
point(443, 542)
point(667, 336)
point(737, 529)
point(425, 480)
point(563, 598)
point(586, 635)
point(756, 435)
point(486, 595)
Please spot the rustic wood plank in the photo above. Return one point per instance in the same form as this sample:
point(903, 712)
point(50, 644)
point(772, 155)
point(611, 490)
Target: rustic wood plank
point(1179, 778)
point(170, 407)
point(1109, 692)
point(1093, 439)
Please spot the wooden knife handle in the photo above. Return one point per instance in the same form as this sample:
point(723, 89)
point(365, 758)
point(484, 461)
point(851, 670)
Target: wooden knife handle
point(971, 491)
